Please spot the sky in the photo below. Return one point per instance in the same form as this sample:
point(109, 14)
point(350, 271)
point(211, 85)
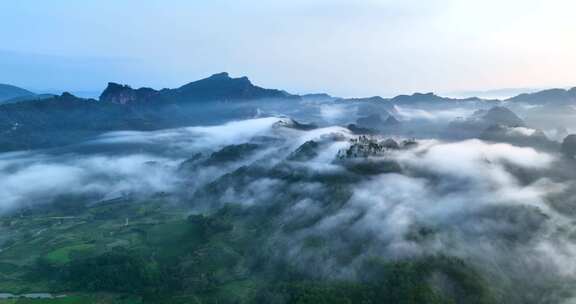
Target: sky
point(342, 47)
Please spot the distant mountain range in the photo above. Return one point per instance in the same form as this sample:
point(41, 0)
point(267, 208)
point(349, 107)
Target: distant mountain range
point(12, 94)
point(552, 96)
point(66, 119)
point(502, 94)
point(29, 121)
point(222, 87)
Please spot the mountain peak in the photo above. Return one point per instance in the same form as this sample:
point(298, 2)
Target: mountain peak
point(223, 87)
point(218, 87)
point(225, 77)
point(67, 95)
point(116, 86)
point(217, 81)
point(124, 94)
point(222, 75)
point(503, 116)
point(429, 94)
point(417, 98)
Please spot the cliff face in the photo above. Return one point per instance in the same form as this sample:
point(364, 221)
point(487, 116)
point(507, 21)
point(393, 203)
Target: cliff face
point(124, 95)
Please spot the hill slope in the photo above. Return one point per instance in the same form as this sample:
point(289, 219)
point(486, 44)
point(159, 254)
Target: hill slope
point(8, 92)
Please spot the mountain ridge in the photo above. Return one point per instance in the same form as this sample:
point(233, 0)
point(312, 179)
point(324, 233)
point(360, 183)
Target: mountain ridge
point(40, 123)
point(546, 97)
point(222, 87)
point(218, 87)
point(8, 92)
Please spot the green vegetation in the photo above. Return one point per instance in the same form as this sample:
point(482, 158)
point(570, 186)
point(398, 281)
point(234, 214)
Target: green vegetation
point(154, 252)
point(79, 299)
point(63, 255)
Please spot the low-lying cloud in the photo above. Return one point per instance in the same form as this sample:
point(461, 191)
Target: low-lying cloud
point(37, 178)
point(486, 203)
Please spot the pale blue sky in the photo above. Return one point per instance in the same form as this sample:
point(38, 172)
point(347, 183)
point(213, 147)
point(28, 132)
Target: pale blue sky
point(343, 47)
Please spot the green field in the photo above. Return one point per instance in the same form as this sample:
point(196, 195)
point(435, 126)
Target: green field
point(156, 252)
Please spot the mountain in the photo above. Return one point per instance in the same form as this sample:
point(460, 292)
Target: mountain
point(480, 121)
point(431, 99)
point(218, 87)
point(124, 94)
point(8, 92)
point(532, 97)
point(503, 116)
point(60, 120)
point(222, 87)
point(500, 94)
point(569, 145)
point(391, 121)
point(319, 97)
point(373, 99)
point(66, 119)
point(28, 98)
point(552, 96)
point(373, 121)
point(42, 121)
point(417, 98)
point(519, 136)
point(273, 210)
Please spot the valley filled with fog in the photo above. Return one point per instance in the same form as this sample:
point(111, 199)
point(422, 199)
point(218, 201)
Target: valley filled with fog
point(269, 197)
point(288, 152)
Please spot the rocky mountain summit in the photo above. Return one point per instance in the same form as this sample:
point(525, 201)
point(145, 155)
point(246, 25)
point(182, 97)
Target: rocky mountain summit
point(218, 87)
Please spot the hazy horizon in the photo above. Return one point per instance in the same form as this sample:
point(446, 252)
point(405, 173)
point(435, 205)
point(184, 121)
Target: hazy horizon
point(499, 93)
point(365, 48)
